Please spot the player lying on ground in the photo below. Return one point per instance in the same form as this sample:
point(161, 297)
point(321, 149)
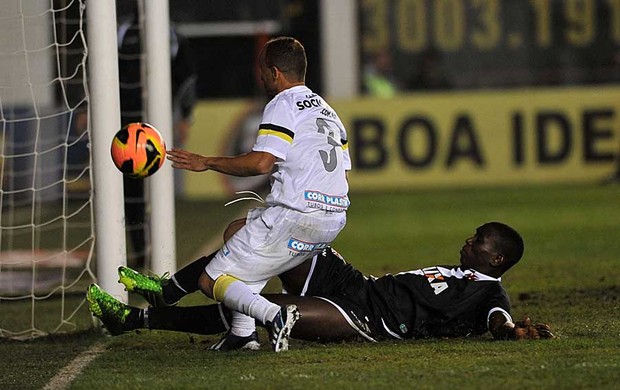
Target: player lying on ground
point(338, 302)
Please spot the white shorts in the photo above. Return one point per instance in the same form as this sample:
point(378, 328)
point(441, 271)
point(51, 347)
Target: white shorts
point(274, 240)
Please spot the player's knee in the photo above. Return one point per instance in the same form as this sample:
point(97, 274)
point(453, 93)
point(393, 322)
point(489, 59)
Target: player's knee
point(221, 285)
point(205, 283)
point(233, 227)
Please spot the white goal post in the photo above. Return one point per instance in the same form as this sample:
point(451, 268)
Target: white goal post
point(159, 114)
point(105, 121)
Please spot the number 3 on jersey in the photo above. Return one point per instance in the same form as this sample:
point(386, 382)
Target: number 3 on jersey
point(329, 159)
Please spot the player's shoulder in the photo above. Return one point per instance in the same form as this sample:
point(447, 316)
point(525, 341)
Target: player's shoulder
point(289, 98)
point(303, 98)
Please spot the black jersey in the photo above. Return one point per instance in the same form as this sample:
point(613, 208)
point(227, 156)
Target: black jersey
point(438, 301)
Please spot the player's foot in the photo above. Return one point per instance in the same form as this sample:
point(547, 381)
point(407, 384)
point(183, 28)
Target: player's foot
point(150, 287)
point(231, 342)
point(112, 313)
point(280, 328)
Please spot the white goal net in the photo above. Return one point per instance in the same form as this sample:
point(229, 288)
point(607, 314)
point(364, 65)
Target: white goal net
point(46, 226)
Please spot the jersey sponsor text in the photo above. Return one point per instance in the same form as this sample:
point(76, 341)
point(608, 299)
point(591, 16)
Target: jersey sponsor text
point(322, 201)
point(299, 247)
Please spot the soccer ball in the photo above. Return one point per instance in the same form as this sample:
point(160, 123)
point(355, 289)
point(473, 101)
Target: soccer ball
point(138, 150)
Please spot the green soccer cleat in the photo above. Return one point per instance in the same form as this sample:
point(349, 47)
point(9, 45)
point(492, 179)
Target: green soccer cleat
point(112, 313)
point(150, 287)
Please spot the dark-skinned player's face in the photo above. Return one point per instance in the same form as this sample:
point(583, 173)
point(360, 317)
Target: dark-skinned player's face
point(478, 251)
point(267, 77)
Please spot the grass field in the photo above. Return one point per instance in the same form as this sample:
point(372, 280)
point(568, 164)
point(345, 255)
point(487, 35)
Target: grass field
point(569, 277)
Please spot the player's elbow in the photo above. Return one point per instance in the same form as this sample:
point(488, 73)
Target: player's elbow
point(264, 163)
point(263, 169)
point(500, 327)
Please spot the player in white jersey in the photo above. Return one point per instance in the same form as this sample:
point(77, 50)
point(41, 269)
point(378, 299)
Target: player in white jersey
point(304, 143)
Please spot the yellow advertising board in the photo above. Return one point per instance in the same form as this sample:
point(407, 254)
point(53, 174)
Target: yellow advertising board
point(427, 140)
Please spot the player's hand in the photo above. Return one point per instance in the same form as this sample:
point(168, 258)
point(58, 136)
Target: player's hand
point(526, 330)
point(182, 159)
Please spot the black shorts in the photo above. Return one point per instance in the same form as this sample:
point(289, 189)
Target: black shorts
point(339, 283)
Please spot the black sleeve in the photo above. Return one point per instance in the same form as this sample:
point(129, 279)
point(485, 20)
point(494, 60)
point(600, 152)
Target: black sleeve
point(498, 301)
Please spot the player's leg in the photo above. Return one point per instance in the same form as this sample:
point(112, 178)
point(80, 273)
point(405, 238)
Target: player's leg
point(293, 280)
point(233, 227)
point(238, 264)
point(274, 241)
point(238, 273)
point(118, 317)
point(243, 300)
point(185, 281)
point(320, 320)
point(163, 291)
point(207, 319)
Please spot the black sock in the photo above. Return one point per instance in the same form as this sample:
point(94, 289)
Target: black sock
point(210, 319)
point(187, 278)
point(134, 320)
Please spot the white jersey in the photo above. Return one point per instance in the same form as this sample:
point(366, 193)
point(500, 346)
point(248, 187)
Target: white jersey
point(310, 144)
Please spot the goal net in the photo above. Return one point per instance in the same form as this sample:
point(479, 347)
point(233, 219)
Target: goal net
point(46, 226)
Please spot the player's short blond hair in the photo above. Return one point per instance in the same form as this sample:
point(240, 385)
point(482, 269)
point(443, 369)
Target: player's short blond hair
point(288, 55)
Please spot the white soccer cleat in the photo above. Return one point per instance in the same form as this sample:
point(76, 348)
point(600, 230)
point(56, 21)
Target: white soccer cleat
point(281, 326)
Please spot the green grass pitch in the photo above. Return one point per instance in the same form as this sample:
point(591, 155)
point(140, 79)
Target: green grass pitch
point(569, 277)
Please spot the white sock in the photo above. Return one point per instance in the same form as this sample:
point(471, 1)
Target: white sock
point(242, 325)
point(240, 297)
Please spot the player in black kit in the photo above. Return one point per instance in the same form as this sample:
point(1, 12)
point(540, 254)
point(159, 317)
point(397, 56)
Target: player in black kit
point(338, 302)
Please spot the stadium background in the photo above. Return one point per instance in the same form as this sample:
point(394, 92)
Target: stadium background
point(486, 92)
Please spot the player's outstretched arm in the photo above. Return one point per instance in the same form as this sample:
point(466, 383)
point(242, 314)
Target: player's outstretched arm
point(502, 329)
point(248, 164)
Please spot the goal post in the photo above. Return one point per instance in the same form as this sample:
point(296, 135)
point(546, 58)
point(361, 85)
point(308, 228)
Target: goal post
point(159, 114)
point(105, 114)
